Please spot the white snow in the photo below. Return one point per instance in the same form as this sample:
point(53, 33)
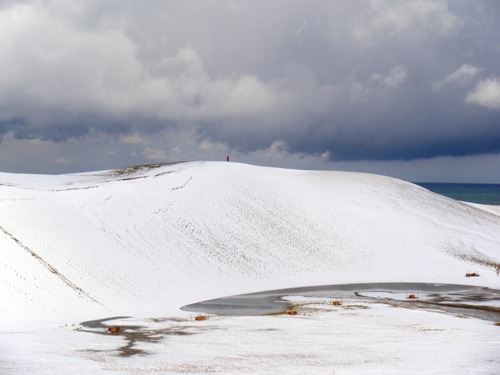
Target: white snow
point(486, 207)
point(144, 242)
point(355, 338)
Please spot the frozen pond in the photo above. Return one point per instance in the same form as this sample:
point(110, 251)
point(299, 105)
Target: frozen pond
point(479, 302)
point(376, 328)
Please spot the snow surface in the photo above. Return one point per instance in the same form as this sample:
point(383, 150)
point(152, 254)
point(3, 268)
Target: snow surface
point(486, 207)
point(355, 338)
point(145, 241)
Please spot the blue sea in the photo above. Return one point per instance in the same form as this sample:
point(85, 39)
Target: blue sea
point(475, 193)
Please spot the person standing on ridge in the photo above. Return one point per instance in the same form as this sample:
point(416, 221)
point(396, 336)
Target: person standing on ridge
point(227, 158)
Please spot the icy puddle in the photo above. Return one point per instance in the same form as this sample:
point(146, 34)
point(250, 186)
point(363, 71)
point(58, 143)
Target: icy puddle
point(478, 302)
point(346, 333)
point(340, 330)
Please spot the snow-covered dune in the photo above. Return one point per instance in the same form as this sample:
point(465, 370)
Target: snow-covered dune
point(148, 240)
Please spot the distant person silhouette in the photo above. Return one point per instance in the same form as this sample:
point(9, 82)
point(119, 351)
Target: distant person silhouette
point(227, 158)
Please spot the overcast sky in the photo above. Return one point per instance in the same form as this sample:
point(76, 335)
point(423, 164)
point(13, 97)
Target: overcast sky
point(403, 88)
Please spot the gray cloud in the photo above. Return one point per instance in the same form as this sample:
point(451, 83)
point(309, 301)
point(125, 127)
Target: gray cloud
point(462, 75)
point(486, 94)
point(376, 80)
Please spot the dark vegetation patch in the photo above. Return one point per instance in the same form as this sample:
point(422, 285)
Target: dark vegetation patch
point(139, 168)
point(133, 334)
point(477, 259)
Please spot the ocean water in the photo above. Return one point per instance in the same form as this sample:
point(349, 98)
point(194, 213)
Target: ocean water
point(475, 193)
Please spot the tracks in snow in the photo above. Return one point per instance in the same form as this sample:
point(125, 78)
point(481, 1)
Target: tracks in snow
point(82, 293)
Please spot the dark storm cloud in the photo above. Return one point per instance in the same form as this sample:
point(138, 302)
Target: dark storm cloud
point(375, 80)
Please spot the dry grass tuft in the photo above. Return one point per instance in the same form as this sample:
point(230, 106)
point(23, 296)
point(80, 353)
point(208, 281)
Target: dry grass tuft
point(201, 317)
point(473, 274)
point(114, 329)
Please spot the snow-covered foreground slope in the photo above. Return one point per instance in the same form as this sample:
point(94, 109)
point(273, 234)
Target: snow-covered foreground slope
point(356, 338)
point(149, 240)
